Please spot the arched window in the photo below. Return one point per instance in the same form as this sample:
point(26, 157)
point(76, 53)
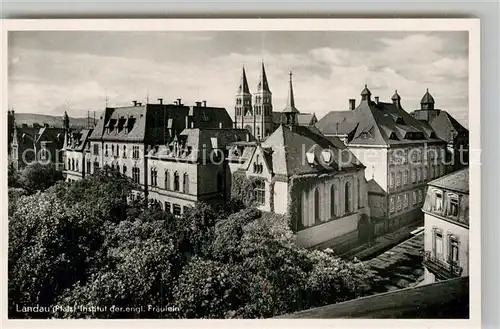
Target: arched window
point(317, 215)
point(176, 181)
point(358, 190)
point(185, 183)
point(347, 192)
point(167, 180)
point(332, 201)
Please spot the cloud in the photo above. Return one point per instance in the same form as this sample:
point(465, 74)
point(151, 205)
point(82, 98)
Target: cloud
point(325, 77)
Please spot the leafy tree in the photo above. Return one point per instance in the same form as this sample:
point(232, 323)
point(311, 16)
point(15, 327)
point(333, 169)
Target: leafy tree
point(38, 177)
point(13, 176)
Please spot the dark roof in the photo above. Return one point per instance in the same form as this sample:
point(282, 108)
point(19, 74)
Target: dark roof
point(290, 100)
point(50, 134)
point(376, 124)
point(442, 300)
point(457, 181)
point(427, 98)
point(444, 123)
point(77, 139)
point(303, 119)
point(290, 145)
point(366, 91)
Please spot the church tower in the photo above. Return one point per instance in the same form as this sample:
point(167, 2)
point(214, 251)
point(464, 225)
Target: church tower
point(243, 117)
point(263, 108)
point(290, 111)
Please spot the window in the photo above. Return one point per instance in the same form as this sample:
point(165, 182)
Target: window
point(136, 172)
point(392, 180)
point(124, 169)
point(425, 173)
point(113, 149)
point(177, 210)
point(398, 179)
point(135, 152)
point(406, 176)
point(154, 177)
point(438, 244)
point(88, 166)
point(414, 176)
point(113, 166)
point(398, 203)
point(124, 151)
point(69, 164)
point(453, 249)
point(453, 205)
point(167, 180)
point(168, 207)
point(414, 195)
point(185, 183)
point(348, 197)
point(106, 150)
point(176, 181)
point(77, 167)
point(73, 164)
point(96, 149)
point(439, 201)
point(391, 204)
point(406, 203)
point(118, 168)
point(419, 174)
point(260, 192)
point(96, 166)
point(420, 197)
point(317, 215)
point(358, 190)
point(332, 201)
point(258, 131)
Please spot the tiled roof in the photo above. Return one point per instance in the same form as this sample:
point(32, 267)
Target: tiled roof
point(77, 139)
point(456, 181)
point(445, 123)
point(290, 146)
point(50, 134)
point(303, 119)
point(375, 124)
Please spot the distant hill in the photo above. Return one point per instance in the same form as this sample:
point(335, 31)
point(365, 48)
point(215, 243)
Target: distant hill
point(51, 120)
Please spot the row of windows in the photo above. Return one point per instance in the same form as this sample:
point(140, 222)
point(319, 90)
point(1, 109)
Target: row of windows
point(72, 165)
point(175, 209)
point(417, 175)
point(438, 246)
point(400, 202)
point(448, 206)
point(115, 150)
point(415, 155)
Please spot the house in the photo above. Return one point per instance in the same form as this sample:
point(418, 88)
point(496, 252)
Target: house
point(401, 154)
point(76, 147)
point(446, 210)
point(298, 172)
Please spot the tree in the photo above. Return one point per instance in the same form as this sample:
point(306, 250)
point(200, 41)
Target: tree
point(38, 177)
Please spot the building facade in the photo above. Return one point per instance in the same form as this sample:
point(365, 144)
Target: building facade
point(75, 150)
point(400, 153)
point(298, 172)
point(446, 241)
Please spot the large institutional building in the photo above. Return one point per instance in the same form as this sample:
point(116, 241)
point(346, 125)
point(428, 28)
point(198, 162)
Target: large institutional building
point(352, 175)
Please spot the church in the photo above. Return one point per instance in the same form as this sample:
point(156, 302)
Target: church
point(255, 112)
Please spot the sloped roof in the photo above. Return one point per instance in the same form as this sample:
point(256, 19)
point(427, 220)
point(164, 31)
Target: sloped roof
point(444, 123)
point(456, 181)
point(51, 134)
point(79, 139)
point(303, 119)
point(427, 98)
point(263, 84)
point(289, 148)
point(243, 87)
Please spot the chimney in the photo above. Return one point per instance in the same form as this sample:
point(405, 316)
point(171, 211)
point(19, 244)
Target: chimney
point(179, 101)
point(198, 104)
point(376, 99)
point(139, 104)
point(204, 103)
point(352, 104)
point(135, 103)
point(160, 100)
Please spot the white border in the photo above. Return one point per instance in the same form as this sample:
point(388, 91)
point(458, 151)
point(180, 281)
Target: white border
point(471, 25)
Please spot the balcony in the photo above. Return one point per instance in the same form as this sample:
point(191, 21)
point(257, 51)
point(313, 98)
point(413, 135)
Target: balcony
point(442, 269)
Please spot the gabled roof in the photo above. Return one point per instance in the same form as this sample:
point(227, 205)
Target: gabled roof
point(50, 134)
point(290, 145)
point(444, 123)
point(456, 181)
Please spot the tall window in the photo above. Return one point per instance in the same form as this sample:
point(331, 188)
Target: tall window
point(398, 179)
point(406, 203)
point(106, 150)
point(398, 203)
point(136, 172)
point(260, 192)
point(177, 210)
point(453, 205)
point(88, 166)
point(185, 183)
point(113, 149)
point(168, 207)
point(167, 180)
point(154, 176)
point(317, 216)
point(124, 169)
point(96, 149)
point(439, 201)
point(118, 168)
point(419, 174)
point(420, 197)
point(438, 244)
point(426, 171)
point(73, 164)
point(406, 176)
point(392, 180)
point(414, 175)
point(135, 152)
point(176, 181)
point(124, 151)
point(358, 190)
point(332, 201)
point(77, 167)
point(414, 197)
point(348, 197)
point(69, 164)
point(453, 249)
point(391, 204)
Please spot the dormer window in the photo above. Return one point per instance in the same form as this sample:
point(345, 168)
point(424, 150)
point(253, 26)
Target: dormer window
point(310, 158)
point(327, 156)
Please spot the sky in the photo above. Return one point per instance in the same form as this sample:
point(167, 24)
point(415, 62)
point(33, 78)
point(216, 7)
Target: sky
point(75, 71)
